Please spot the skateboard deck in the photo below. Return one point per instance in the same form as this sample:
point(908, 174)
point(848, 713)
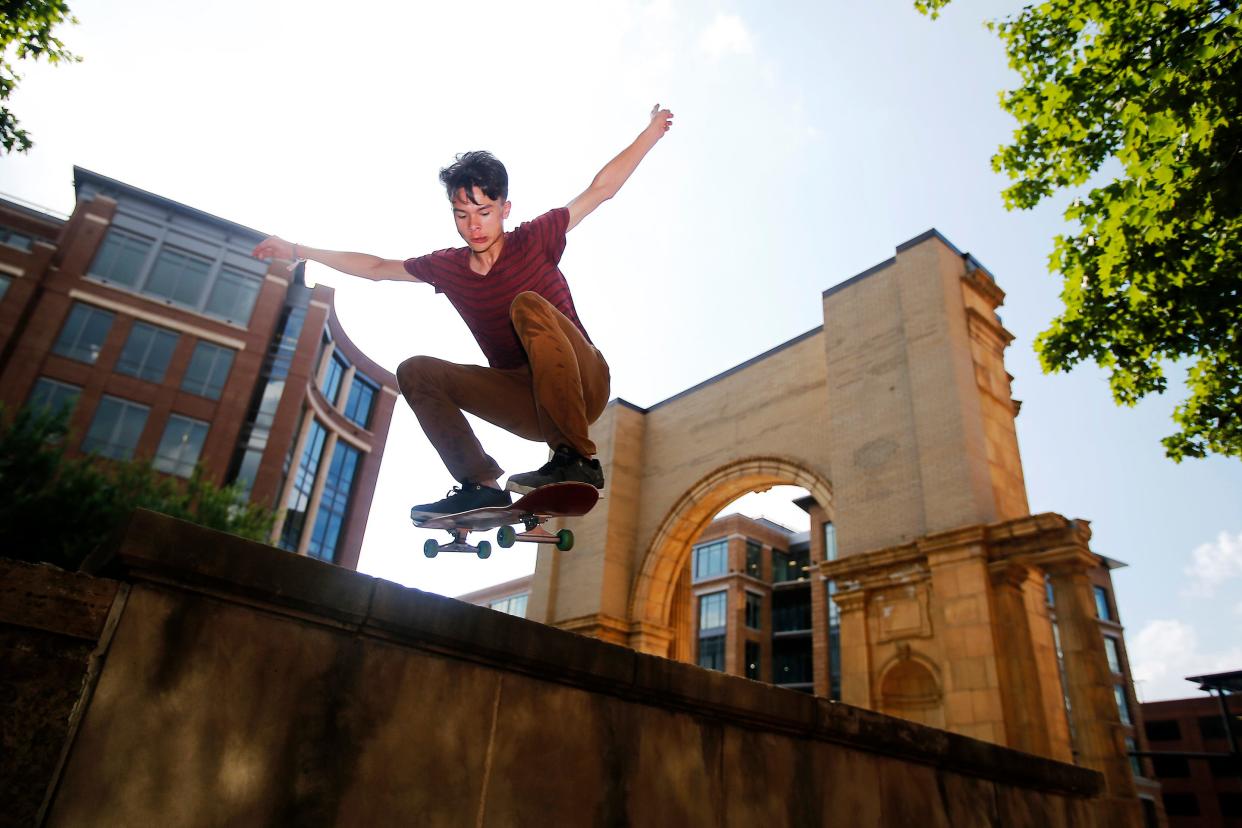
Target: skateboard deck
point(531, 511)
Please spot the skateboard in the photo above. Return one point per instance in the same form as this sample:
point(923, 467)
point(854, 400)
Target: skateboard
point(531, 511)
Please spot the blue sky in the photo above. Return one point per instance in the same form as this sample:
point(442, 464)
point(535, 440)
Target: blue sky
point(811, 138)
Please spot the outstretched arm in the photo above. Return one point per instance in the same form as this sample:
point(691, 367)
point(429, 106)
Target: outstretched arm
point(615, 173)
point(362, 265)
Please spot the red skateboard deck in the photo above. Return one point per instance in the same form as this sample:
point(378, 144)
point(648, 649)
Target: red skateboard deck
point(530, 510)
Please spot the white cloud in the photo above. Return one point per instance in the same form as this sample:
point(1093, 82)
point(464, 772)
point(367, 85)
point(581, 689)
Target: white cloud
point(727, 35)
point(1212, 563)
point(1166, 651)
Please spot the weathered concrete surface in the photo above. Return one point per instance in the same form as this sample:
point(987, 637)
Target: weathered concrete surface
point(246, 686)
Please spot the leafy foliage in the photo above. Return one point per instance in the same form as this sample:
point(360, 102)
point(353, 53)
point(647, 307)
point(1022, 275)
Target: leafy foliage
point(26, 26)
point(1153, 272)
point(59, 509)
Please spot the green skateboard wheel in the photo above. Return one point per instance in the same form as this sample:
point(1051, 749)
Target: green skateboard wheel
point(564, 540)
point(485, 549)
point(506, 537)
point(431, 548)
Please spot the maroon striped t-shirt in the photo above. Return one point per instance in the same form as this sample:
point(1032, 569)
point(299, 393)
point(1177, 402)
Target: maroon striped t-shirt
point(528, 261)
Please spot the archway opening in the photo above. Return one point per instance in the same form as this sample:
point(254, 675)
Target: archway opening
point(910, 690)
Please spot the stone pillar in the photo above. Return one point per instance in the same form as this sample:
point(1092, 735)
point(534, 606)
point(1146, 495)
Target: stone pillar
point(650, 639)
point(855, 648)
point(1026, 727)
point(1098, 733)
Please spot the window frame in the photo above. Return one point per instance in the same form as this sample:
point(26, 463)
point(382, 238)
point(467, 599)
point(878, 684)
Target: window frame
point(177, 464)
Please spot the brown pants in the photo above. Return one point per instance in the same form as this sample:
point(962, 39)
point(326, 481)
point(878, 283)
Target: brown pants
point(554, 399)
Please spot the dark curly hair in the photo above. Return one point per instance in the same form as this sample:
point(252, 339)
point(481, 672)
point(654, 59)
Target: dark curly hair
point(476, 169)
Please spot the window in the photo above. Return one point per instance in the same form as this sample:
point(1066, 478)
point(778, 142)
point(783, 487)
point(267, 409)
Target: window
point(303, 482)
point(232, 296)
point(1181, 804)
point(11, 238)
point(711, 559)
point(791, 565)
point(334, 503)
point(1230, 805)
point(1171, 767)
point(1211, 727)
point(1113, 652)
point(711, 652)
point(791, 610)
point(208, 369)
point(200, 281)
point(1163, 730)
point(332, 377)
point(361, 399)
point(1135, 767)
point(830, 542)
point(5, 281)
point(754, 559)
point(180, 446)
point(1048, 592)
point(1123, 704)
point(116, 428)
point(1226, 767)
point(147, 352)
point(1102, 607)
point(712, 612)
point(83, 334)
point(121, 257)
point(754, 611)
point(178, 276)
point(752, 660)
point(55, 397)
point(513, 605)
point(791, 661)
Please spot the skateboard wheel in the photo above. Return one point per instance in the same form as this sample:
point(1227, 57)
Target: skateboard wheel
point(431, 548)
point(564, 540)
point(506, 537)
point(485, 549)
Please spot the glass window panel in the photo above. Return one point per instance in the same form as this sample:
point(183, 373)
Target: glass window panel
point(711, 652)
point(121, 257)
point(178, 276)
point(83, 334)
point(754, 610)
point(55, 397)
point(5, 281)
point(233, 296)
point(180, 446)
point(752, 660)
point(115, 429)
point(303, 481)
point(208, 370)
point(11, 238)
point(830, 541)
point(712, 611)
point(332, 377)
point(334, 502)
point(711, 559)
point(1181, 804)
point(147, 352)
point(1113, 653)
point(1123, 704)
point(361, 399)
point(754, 559)
point(1163, 730)
point(1102, 607)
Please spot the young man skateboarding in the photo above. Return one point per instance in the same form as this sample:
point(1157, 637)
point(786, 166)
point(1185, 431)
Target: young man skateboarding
point(545, 380)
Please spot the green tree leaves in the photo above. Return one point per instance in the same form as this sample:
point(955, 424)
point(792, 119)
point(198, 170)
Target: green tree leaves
point(59, 510)
point(26, 29)
point(1152, 269)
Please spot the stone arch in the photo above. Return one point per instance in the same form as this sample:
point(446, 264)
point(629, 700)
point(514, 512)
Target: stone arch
point(652, 595)
point(910, 688)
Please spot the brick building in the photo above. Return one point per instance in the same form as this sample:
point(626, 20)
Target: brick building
point(1200, 770)
point(151, 322)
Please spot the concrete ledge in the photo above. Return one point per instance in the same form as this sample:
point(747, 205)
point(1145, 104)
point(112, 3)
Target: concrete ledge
point(183, 557)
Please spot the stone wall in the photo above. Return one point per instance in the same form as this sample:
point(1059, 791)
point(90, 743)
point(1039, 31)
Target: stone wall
point(241, 685)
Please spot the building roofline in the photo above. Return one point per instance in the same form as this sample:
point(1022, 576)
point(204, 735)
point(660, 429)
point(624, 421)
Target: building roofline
point(932, 233)
point(82, 175)
point(741, 366)
point(33, 210)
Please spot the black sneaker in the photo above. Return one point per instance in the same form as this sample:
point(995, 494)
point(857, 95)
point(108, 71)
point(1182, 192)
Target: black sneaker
point(462, 499)
point(566, 466)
